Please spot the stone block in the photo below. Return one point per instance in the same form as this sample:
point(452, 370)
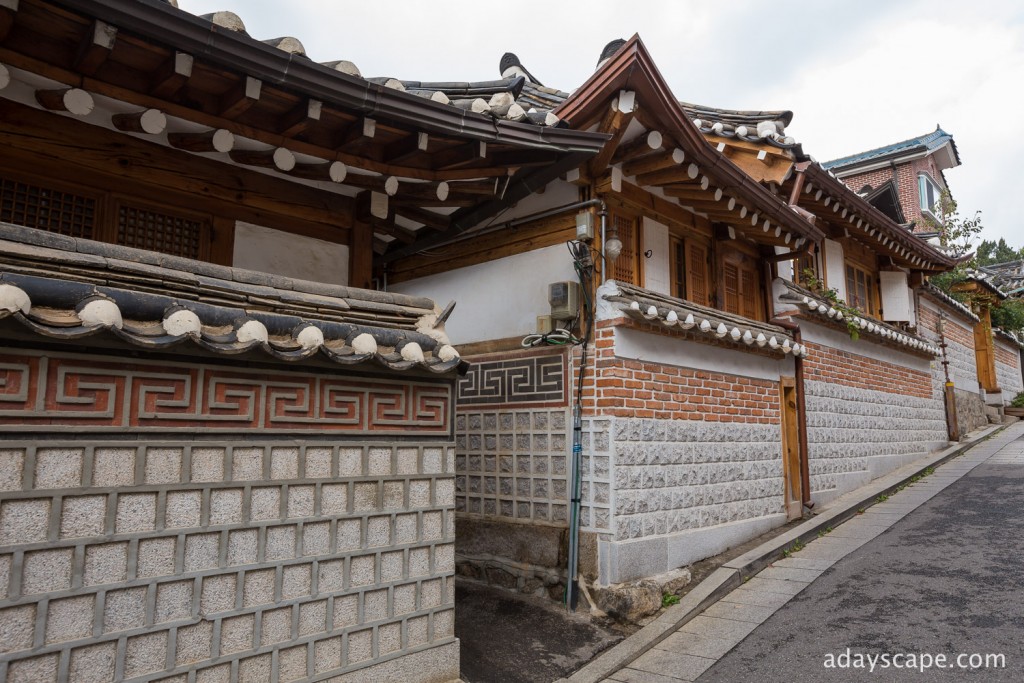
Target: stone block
point(419, 493)
point(312, 617)
point(406, 529)
point(444, 492)
point(70, 618)
point(318, 462)
point(349, 534)
point(17, 628)
point(392, 566)
point(5, 575)
point(408, 460)
point(247, 464)
point(316, 538)
point(375, 605)
point(433, 460)
point(136, 512)
point(378, 531)
point(24, 521)
point(12, 469)
point(419, 562)
point(360, 646)
point(364, 496)
point(46, 570)
point(243, 545)
point(218, 594)
point(433, 526)
point(430, 594)
point(265, 503)
point(417, 631)
point(201, 551)
point(292, 663)
point(93, 663)
point(280, 543)
point(444, 558)
point(236, 634)
point(363, 572)
point(256, 669)
point(389, 639)
point(326, 654)
point(301, 501)
point(184, 509)
point(207, 464)
point(334, 499)
point(394, 495)
point(145, 654)
point(405, 599)
point(444, 624)
point(58, 468)
point(214, 674)
point(124, 609)
point(284, 463)
point(174, 601)
point(156, 557)
point(350, 462)
point(277, 626)
point(226, 506)
point(83, 516)
point(297, 581)
point(107, 563)
point(331, 577)
point(36, 670)
point(379, 461)
point(346, 611)
point(163, 465)
point(194, 643)
point(113, 467)
point(258, 588)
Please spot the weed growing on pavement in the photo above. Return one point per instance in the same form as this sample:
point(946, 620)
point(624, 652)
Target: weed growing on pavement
point(669, 599)
point(882, 498)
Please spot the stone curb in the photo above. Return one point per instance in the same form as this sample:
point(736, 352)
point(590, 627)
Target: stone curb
point(733, 573)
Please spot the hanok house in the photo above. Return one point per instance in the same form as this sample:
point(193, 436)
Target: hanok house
point(221, 459)
point(724, 396)
point(906, 181)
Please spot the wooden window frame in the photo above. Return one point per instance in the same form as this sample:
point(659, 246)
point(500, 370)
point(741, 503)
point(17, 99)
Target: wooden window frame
point(635, 245)
point(204, 219)
point(690, 243)
point(747, 260)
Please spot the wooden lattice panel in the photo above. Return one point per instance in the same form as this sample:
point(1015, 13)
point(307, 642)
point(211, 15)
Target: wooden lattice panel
point(625, 268)
point(46, 208)
point(166, 233)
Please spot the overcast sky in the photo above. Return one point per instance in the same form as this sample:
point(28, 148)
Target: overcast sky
point(857, 74)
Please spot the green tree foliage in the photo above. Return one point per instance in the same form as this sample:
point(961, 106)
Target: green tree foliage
point(1009, 315)
point(957, 235)
point(990, 252)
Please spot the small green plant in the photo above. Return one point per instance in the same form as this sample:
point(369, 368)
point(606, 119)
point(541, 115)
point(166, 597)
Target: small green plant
point(882, 498)
point(669, 599)
point(1018, 400)
point(860, 511)
point(830, 295)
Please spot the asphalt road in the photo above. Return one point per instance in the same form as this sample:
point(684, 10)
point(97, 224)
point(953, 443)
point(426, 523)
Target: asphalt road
point(947, 579)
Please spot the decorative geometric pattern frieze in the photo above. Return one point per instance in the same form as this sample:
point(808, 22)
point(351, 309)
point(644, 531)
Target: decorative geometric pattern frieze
point(536, 381)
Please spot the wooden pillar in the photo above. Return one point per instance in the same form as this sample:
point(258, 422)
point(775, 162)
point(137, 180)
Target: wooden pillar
point(983, 348)
point(360, 256)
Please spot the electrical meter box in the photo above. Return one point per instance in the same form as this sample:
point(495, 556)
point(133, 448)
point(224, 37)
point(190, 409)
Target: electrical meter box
point(564, 298)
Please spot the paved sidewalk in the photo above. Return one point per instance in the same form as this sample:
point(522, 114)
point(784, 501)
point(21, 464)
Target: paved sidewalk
point(730, 604)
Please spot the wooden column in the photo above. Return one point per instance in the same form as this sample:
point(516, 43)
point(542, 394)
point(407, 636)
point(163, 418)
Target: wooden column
point(360, 256)
point(984, 350)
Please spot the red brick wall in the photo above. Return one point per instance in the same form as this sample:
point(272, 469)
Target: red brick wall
point(1007, 356)
point(906, 183)
point(826, 364)
point(954, 331)
point(631, 388)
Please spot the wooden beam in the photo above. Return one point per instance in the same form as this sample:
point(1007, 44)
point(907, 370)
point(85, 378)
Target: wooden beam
point(434, 221)
point(356, 135)
point(149, 121)
point(279, 159)
point(654, 206)
point(240, 98)
point(667, 176)
point(334, 171)
point(360, 256)
point(654, 162)
point(72, 100)
point(304, 115)
point(459, 155)
point(5, 76)
point(171, 76)
point(432, 191)
point(8, 10)
point(410, 146)
point(378, 183)
point(217, 140)
point(380, 217)
point(641, 145)
point(614, 123)
point(95, 48)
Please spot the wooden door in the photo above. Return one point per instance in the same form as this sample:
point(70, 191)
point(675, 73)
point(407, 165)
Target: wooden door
point(791, 472)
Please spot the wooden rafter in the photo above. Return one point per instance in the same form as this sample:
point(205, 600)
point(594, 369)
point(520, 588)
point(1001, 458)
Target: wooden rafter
point(434, 221)
point(301, 117)
point(171, 76)
point(405, 148)
point(614, 122)
point(356, 136)
point(95, 48)
point(654, 162)
point(8, 10)
point(643, 144)
point(240, 98)
point(460, 155)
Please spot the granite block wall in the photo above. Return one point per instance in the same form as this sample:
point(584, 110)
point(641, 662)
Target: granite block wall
point(962, 361)
point(1008, 369)
point(247, 560)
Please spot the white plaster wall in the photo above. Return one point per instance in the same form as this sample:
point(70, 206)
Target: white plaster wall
point(557, 193)
point(283, 253)
point(497, 299)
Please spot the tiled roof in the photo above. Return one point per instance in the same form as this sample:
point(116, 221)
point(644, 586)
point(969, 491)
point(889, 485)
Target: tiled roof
point(66, 288)
point(710, 323)
point(922, 143)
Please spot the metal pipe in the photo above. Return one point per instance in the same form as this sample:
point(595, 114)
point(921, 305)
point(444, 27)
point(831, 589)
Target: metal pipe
point(801, 412)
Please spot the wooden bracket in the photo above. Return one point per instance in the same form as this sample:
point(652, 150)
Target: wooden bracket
point(95, 48)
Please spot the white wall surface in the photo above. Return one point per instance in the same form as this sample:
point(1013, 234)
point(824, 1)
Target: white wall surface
point(497, 299)
point(282, 253)
point(835, 268)
point(657, 277)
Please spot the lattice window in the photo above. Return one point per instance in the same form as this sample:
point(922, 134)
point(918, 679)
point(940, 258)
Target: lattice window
point(47, 208)
point(626, 268)
point(146, 228)
point(697, 280)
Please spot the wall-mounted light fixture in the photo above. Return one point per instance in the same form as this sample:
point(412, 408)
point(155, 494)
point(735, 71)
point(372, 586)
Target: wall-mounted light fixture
point(612, 246)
